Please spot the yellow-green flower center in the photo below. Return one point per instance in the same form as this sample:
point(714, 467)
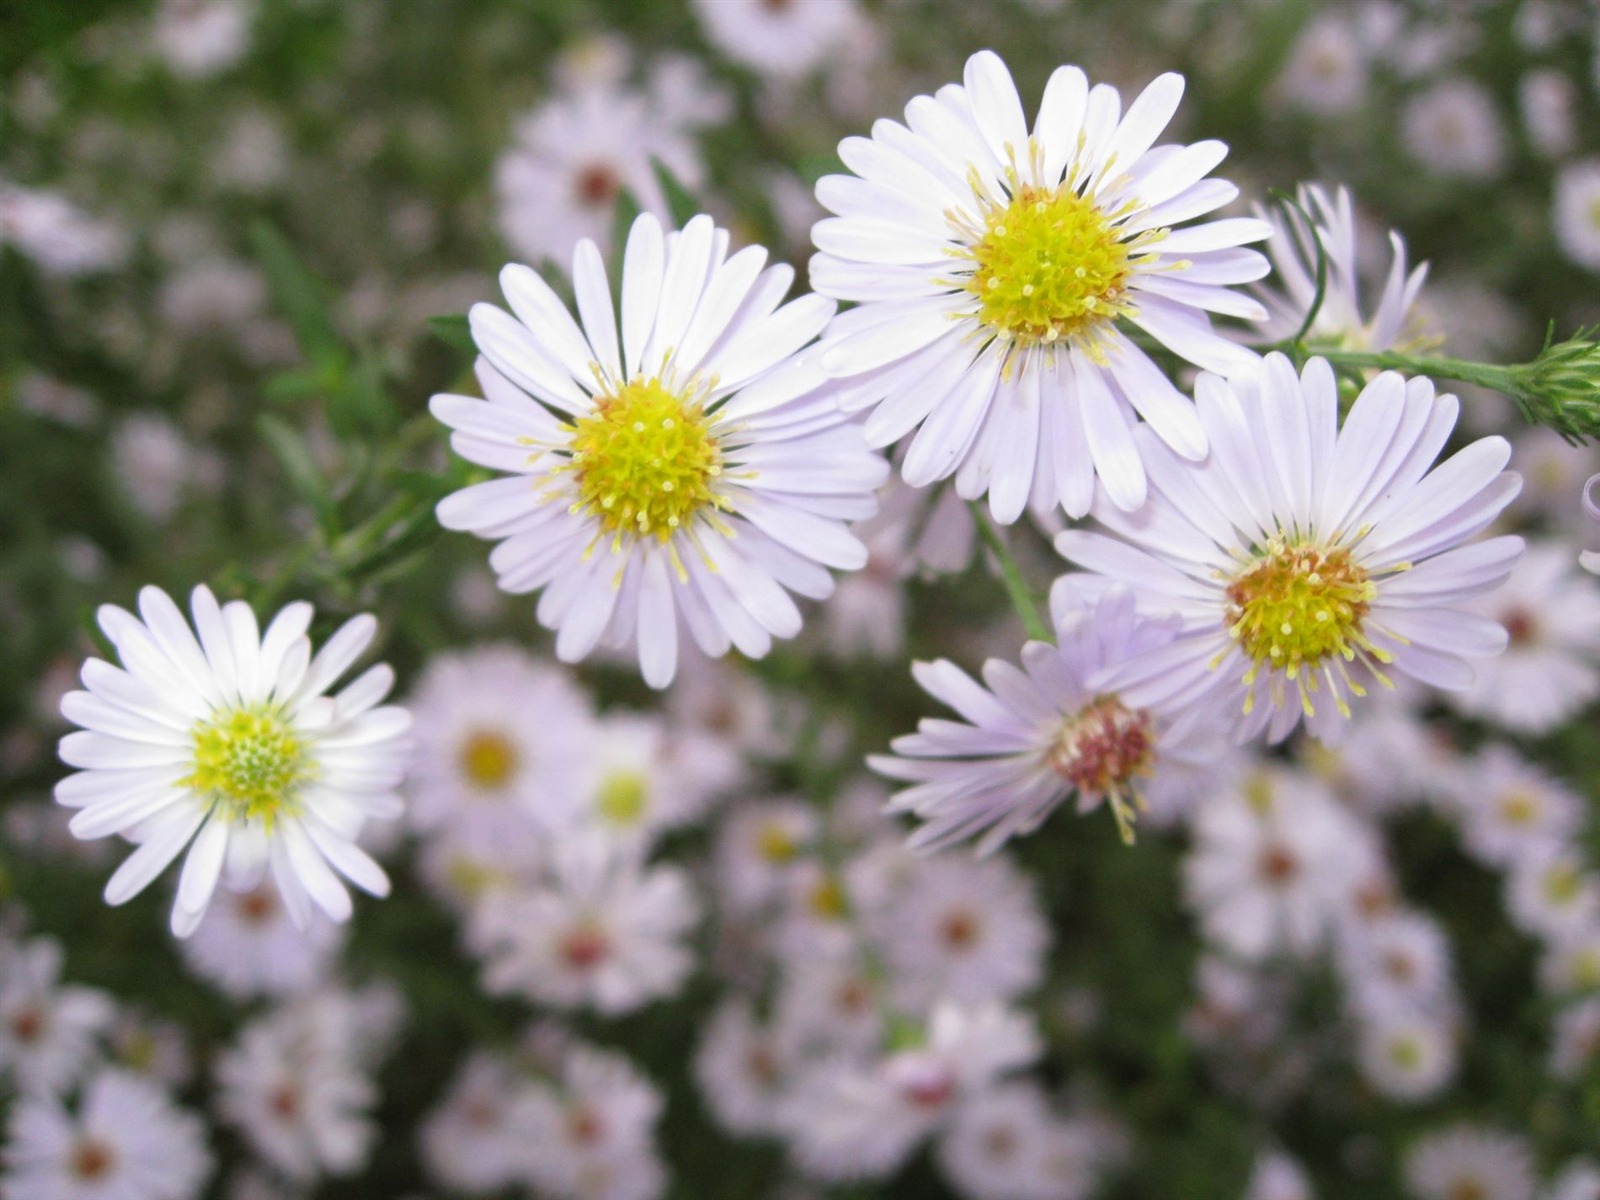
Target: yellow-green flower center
point(622, 797)
point(1299, 603)
point(250, 763)
point(1048, 266)
point(646, 460)
point(488, 759)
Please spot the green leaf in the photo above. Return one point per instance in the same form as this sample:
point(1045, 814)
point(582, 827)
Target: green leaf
point(680, 201)
point(298, 295)
point(290, 449)
point(91, 627)
point(454, 331)
point(627, 211)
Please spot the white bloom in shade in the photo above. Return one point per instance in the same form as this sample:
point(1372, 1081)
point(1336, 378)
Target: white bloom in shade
point(1389, 759)
point(1454, 129)
point(645, 778)
point(1407, 1057)
point(1571, 961)
point(574, 155)
point(1274, 865)
point(784, 39)
point(227, 746)
point(1036, 735)
point(599, 929)
point(472, 1142)
point(994, 271)
point(503, 749)
point(685, 476)
point(592, 1136)
point(1470, 1160)
point(851, 1121)
point(1553, 893)
point(56, 234)
point(1398, 963)
point(1326, 72)
point(127, 1141)
point(247, 945)
point(152, 462)
point(964, 931)
point(757, 848)
point(1548, 100)
point(1005, 1144)
point(1307, 560)
point(1551, 668)
point(201, 38)
point(1576, 1042)
point(744, 1068)
point(1577, 212)
point(1510, 809)
point(1578, 1180)
point(1276, 1176)
point(48, 1033)
point(1339, 322)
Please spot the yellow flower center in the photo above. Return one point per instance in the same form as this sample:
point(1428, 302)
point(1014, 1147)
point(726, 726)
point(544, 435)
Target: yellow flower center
point(1100, 750)
point(1048, 266)
point(1519, 807)
point(488, 759)
point(249, 762)
point(775, 843)
point(1298, 605)
point(1405, 1053)
point(646, 461)
point(622, 797)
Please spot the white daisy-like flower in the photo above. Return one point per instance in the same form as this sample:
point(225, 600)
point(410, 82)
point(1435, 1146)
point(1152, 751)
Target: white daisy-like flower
point(127, 1141)
point(994, 270)
point(248, 946)
point(1576, 212)
point(1407, 1056)
point(1305, 559)
point(471, 1142)
point(1006, 1144)
point(1470, 1160)
point(780, 39)
point(226, 746)
point(1511, 810)
point(1454, 129)
point(686, 475)
point(49, 1033)
point(743, 1068)
point(1038, 734)
point(1551, 667)
point(1339, 322)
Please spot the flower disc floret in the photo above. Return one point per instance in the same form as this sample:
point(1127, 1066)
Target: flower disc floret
point(250, 761)
point(1298, 604)
point(646, 460)
point(1048, 266)
point(1102, 750)
point(488, 760)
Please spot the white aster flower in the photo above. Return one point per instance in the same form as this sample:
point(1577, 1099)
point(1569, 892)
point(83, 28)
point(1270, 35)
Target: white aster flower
point(201, 38)
point(1399, 963)
point(1571, 961)
point(600, 929)
point(1577, 212)
point(1306, 559)
point(1469, 1160)
point(574, 155)
point(1511, 810)
point(1407, 1057)
point(1553, 893)
point(1578, 1180)
point(1548, 99)
point(1551, 668)
point(1454, 129)
point(1046, 731)
point(472, 1142)
point(1006, 1144)
point(248, 945)
point(685, 476)
point(994, 270)
point(744, 1067)
point(757, 849)
point(48, 1033)
point(127, 1141)
point(227, 746)
point(1276, 1176)
point(783, 40)
point(1326, 72)
point(56, 234)
point(1339, 322)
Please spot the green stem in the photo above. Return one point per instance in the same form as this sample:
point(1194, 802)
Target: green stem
point(1487, 375)
point(1016, 587)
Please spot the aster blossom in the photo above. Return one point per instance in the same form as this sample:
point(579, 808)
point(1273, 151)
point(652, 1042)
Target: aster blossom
point(994, 269)
point(1307, 561)
point(225, 744)
point(1035, 735)
point(688, 474)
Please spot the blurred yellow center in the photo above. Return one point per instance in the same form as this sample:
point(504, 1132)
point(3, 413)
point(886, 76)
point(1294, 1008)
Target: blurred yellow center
point(488, 759)
point(776, 844)
point(1048, 265)
point(1299, 603)
point(645, 460)
point(622, 797)
point(250, 763)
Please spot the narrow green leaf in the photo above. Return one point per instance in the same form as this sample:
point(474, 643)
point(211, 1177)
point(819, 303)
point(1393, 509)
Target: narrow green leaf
point(680, 201)
point(298, 295)
point(454, 331)
point(627, 211)
point(290, 449)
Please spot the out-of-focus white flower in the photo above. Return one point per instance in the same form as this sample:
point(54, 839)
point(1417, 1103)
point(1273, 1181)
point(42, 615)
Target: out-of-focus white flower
point(247, 945)
point(1470, 1160)
point(253, 155)
point(598, 929)
point(645, 777)
point(1276, 1176)
point(702, 452)
point(1552, 892)
point(1407, 1056)
point(1389, 759)
point(126, 1141)
point(1549, 100)
point(56, 234)
point(1005, 1144)
point(1454, 129)
point(572, 157)
point(1571, 961)
point(1511, 810)
point(1274, 865)
point(1327, 72)
point(992, 270)
point(152, 463)
point(201, 38)
point(1339, 322)
point(225, 746)
point(1578, 1180)
point(1306, 559)
point(1035, 736)
point(48, 397)
point(757, 849)
point(472, 1142)
point(1576, 216)
point(744, 1067)
point(1397, 964)
point(49, 1033)
point(216, 294)
point(592, 1135)
point(1575, 1045)
point(682, 93)
point(783, 40)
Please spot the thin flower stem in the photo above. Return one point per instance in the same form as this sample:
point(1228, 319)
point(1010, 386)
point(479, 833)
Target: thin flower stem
point(1016, 587)
point(1489, 375)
